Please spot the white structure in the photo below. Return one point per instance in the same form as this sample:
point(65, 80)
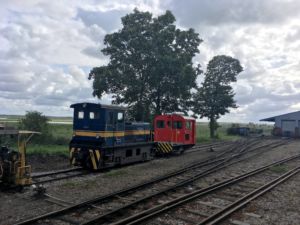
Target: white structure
point(286, 125)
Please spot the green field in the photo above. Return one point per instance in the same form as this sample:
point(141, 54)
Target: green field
point(12, 119)
point(203, 132)
point(61, 134)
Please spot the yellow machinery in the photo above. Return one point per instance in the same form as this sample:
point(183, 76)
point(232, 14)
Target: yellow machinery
point(13, 168)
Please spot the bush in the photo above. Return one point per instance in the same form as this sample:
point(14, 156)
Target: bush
point(36, 121)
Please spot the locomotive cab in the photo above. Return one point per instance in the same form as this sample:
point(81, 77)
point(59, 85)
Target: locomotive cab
point(95, 126)
point(102, 138)
point(99, 124)
point(174, 132)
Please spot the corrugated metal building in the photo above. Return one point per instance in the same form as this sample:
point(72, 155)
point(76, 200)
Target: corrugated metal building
point(287, 125)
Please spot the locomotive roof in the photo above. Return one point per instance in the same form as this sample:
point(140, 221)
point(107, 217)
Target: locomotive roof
point(99, 105)
point(176, 114)
point(189, 118)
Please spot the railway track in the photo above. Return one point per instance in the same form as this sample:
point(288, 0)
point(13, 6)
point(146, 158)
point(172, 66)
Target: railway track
point(111, 205)
point(46, 177)
point(199, 208)
point(51, 176)
point(212, 146)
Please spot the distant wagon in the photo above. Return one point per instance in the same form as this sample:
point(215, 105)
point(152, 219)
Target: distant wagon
point(242, 131)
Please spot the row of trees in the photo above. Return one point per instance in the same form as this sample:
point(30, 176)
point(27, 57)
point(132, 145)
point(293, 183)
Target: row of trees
point(151, 70)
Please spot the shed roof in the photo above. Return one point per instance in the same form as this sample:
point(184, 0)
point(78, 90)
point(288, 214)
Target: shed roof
point(272, 119)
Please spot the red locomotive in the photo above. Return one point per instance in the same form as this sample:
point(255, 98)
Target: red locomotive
point(174, 132)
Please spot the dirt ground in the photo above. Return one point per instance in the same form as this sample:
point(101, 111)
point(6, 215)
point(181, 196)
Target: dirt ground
point(41, 163)
point(19, 206)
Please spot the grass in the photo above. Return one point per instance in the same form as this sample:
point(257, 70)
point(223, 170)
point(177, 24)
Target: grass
point(16, 118)
point(83, 185)
point(61, 130)
point(47, 149)
point(70, 184)
point(115, 173)
point(61, 136)
point(204, 136)
point(57, 144)
point(279, 169)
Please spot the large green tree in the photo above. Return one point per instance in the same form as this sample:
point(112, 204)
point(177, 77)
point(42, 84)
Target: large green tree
point(150, 67)
point(216, 96)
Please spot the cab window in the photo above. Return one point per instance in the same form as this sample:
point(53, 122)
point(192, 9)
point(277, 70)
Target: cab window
point(92, 115)
point(160, 124)
point(188, 125)
point(80, 115)
point(177, 124)
point(120, 117)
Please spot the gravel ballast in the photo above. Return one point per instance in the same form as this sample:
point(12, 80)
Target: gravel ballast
point(18, 206)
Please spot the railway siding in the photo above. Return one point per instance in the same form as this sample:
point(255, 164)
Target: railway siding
point(125, 177)
point(119, 201)
point(209, 202)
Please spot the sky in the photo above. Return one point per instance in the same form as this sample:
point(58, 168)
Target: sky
point(47, 49)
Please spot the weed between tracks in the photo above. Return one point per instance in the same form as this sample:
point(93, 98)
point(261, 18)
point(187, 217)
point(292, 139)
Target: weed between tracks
point(70, 184)
point(115, 173)
point(279, 169)
point(85, 184)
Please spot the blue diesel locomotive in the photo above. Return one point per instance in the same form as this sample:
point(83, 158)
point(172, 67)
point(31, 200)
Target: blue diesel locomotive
point(102, 138)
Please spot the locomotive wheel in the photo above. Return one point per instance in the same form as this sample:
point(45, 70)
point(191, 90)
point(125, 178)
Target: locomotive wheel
point(181, 150)
point(87, 164)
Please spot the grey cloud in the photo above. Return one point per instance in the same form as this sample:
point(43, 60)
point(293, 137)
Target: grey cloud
point(297, 85)
point(259, 92)
point(216, 12)
point(92, 51)
point(265, 105)
point(109, 20)
point(12, 96)
point(51, 100)
point(278, 61)
point(11, 87)
point(96, 33)
point(73, 94)
point(294, 36)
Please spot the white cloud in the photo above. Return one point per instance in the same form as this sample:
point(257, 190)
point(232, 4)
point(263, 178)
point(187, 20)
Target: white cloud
point(48, 48)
